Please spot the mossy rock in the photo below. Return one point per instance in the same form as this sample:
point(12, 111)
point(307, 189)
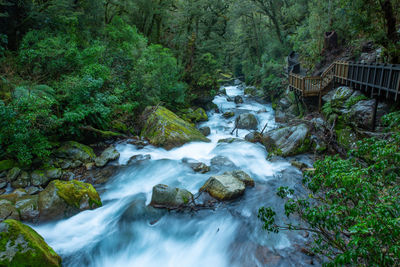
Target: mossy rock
point(7, 164)
point(63, 199)
point(76, 151)
point(21, 246)
point(346, 138)
point(228, 114)
point(194, 116)
point(165, 129)
point(169, 197)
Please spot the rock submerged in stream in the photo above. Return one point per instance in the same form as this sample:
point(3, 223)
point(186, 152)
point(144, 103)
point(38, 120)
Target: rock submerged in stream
point(227, 186)
point(168, 197)
point(165, 129)
point(247, 121)
point(23, 246)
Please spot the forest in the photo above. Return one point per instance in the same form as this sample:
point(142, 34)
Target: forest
point(85, 71)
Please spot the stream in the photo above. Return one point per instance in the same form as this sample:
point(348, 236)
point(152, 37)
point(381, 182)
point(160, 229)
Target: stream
point(125, 232)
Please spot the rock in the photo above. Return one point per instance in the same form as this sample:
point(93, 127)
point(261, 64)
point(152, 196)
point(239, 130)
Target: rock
point(222, 161)
point(224, 187)
point(328, 97)
point(341, 94)
point(109, 154)
point(361, 113)
point(6, 165)
point(13, 174)
point(90, 166)
point(319, 123)
point(199, 115)
point(199, 167)
point(3, 183)
point(27, 207)
point(43, 177)
point(164, 128)
point(281, 116)
point(238, 99)
point(169, 197)
point(100, 175)
point(247, 121)
point(250, 90)
point(263, 110)
point(22, 181)
point(284, 103)
point(298, 164)
point(76, 151)
point(242, 176)
point(228, 114)
point(7, 210)
point(318, 145)
point(138, 158)
point(23, 246)
point(253, 137)
point(288, 141)
point(32, 190)
point(62, 199)
point(346, 138)
point(206, 131)
point(138, 210)
point(229, 140)
point(70, 164)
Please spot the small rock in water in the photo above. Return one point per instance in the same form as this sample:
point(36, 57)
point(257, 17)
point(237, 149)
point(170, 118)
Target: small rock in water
point(200, 167)
point(222, 161)
point(169, 197)
point(138, 158)
point(228, 114)
point(247, 121)
point(206, 131)
point(238, 100)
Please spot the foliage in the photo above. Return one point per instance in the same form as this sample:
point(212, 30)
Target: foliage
point(353, 206)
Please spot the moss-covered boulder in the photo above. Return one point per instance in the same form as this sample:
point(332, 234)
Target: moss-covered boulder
point(164, 128)
point(13, 174)
point(346, 138)
point(227, 186)
point(288, 141)
point(228, 114)
point(76, 151)
point(22, 181)
point(21, 246)
point(197, 115)
point(165, 196)
point(62, 199)
point(27, 207)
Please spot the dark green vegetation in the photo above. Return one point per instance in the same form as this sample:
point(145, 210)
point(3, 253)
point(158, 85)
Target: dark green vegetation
point(353, 209)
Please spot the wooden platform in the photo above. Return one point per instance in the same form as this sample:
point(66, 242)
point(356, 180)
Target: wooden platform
point(375, 79)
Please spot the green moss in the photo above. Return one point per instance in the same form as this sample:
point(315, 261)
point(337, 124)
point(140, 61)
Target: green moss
point(29, 247)
point(164, 128)
point(346, 138)
point(73, 192)
point(304, 147)
point(354, 100)
point(7, 164)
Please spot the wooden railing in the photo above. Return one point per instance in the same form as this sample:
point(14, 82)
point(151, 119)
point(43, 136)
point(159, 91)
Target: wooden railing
point(376, 79)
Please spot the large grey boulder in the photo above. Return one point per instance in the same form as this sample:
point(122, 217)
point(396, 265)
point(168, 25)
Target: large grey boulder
point(288, 141)
point(227, 186)
point(109, 154)
point(76, 151)
point(247, 121)
point(168, 197)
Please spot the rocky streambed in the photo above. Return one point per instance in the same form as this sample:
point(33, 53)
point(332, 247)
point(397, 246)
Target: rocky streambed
point(191, 205)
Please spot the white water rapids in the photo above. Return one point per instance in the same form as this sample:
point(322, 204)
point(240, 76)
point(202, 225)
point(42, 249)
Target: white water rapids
point(125, 233)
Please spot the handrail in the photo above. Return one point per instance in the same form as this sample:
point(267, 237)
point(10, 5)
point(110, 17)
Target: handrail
point(376, 78)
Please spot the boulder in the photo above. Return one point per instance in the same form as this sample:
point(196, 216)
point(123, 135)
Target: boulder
point(199, 115)
point(227, 186)
point(221, 161)
point(206, 131)
point(22, 246)
point(288, 141)
point(253, 137)
point(163, 128)
point(23, 180)
point(238, 99)
point(76, 151)
point(247, 121)
point(228, 114)
point(27, 207)
point(13, 174)
point(341, 94)
point(43, 177)
point(169, 197)
point(138, 210)
point(281, 116)
point(109, 154)
point(346, 138)
point(361, 113)
point(8, 210)
point(62, 199)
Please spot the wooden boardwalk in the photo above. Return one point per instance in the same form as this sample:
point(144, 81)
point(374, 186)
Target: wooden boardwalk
point(375, 79)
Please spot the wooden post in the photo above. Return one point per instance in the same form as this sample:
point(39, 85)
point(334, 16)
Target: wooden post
point(319, 101)
point(374, 114)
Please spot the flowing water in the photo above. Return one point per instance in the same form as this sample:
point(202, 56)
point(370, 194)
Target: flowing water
point(125, 232)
